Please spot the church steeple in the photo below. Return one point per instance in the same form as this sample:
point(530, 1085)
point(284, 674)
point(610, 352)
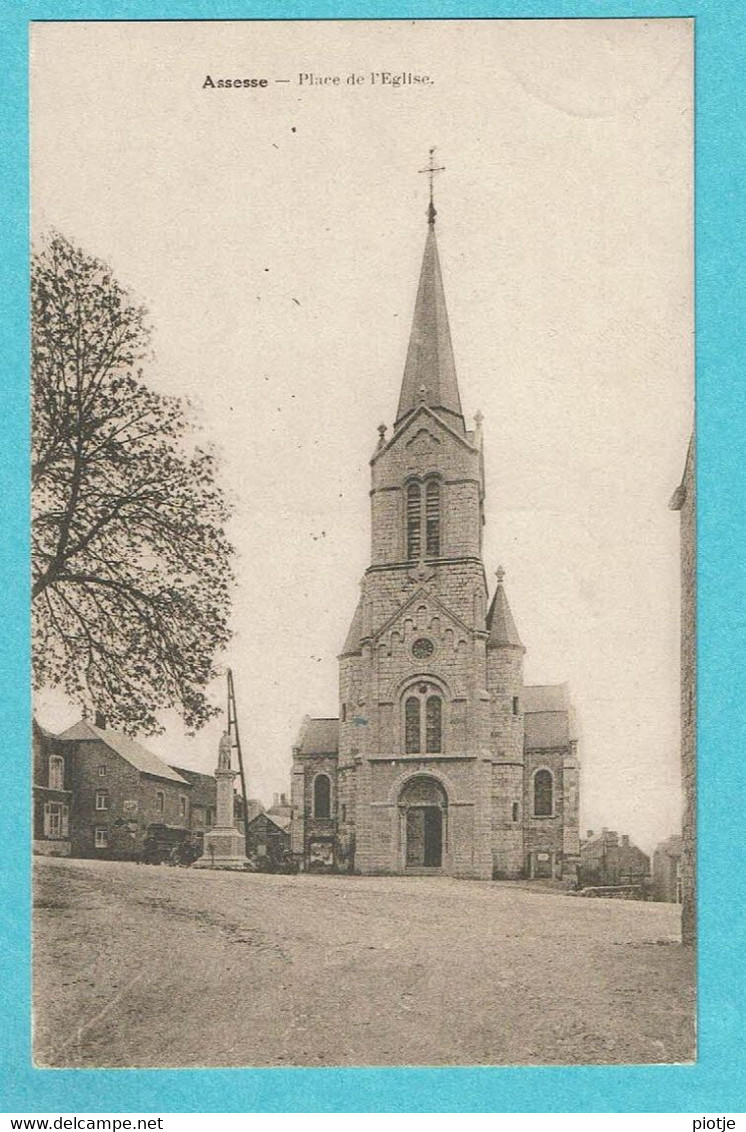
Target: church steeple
point(430, 369)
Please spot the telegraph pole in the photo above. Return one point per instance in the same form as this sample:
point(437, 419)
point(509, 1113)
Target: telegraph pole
point(236, 742)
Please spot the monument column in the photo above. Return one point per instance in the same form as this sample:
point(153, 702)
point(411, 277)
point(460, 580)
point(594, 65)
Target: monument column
point(224, 846)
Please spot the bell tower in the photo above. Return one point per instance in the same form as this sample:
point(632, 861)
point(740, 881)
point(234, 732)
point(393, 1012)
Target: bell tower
point(413, 671)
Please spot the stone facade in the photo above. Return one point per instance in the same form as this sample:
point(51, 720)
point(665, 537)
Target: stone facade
point(119, 791)
point(441, 759)
point(684, 501)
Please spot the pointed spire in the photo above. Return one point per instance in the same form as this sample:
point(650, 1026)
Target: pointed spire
point(430, 363)
point(500, 623)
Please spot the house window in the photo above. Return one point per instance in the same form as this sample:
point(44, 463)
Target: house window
point(423, 722)
point(101, 837)
point(55, 819)
point(160, 801)
point(102, 770)
point(516, 811)
point(423, 515)
point(102, 799)
point(209, 817)
point(543, 794)
point(344, 812)
point(414, 521)
point(344, 713)
point(322, 796)
point(515, 705)
point(182, 806)
point(56, 772)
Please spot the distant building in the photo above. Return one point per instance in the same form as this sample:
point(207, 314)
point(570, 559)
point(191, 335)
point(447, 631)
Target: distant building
point(269, 836)
point(606, 859)
point(52, 794)
point(684, 501)
point(667, 871)
point(280, 807)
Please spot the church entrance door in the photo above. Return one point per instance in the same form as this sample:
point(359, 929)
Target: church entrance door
point(424, 803)
point(424, 837)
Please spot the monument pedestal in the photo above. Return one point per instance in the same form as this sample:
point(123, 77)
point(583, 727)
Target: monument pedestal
point(224, 846)
point(223, 849)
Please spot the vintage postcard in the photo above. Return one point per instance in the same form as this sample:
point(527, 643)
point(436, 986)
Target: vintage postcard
point(363, 543)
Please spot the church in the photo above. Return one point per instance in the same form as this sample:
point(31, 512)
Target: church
point(441, 761)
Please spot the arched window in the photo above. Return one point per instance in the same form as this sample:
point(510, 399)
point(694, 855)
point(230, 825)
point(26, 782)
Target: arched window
point(322, 796)
point(414, 521)
point(543, 794)
point(432, 519)
point(423, 721)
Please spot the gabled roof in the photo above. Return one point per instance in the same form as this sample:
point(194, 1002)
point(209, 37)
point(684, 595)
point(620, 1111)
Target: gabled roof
point(430, 363)
point(549, 719)
point(319, 737)
point(545, 697)
point(282, 823)
point(130, 750)
point(500, 622)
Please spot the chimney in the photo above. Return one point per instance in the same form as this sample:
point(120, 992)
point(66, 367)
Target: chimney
point(590, 834)
point(283, 799)
point(100, 720)
point(625, 840)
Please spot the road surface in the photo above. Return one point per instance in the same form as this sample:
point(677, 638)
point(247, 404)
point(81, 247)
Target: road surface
point(156, 966)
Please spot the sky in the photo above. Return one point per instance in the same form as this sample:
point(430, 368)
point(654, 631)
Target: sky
point(275, 234)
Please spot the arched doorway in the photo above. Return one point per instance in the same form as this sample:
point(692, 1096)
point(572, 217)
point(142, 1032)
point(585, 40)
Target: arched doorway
point(423, 805)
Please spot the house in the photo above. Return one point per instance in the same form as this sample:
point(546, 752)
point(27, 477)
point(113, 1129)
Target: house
point(269, 836)
point(667, 879)
point(606, 859)
point(52, 794)
point(119, 790)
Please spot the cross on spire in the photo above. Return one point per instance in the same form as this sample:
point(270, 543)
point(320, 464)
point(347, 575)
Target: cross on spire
point(431, 169)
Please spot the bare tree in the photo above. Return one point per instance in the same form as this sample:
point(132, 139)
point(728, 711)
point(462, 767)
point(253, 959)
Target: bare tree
point(131, 564)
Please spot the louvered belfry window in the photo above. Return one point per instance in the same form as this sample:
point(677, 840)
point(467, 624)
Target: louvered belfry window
point(414, 521)
point(432, 519)
point(423, 520)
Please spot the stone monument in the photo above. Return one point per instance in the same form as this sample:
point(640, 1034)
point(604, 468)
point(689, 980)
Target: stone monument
point(224, 846)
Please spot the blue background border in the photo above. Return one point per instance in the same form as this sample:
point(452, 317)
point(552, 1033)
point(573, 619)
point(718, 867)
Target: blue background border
point(716, 1082)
